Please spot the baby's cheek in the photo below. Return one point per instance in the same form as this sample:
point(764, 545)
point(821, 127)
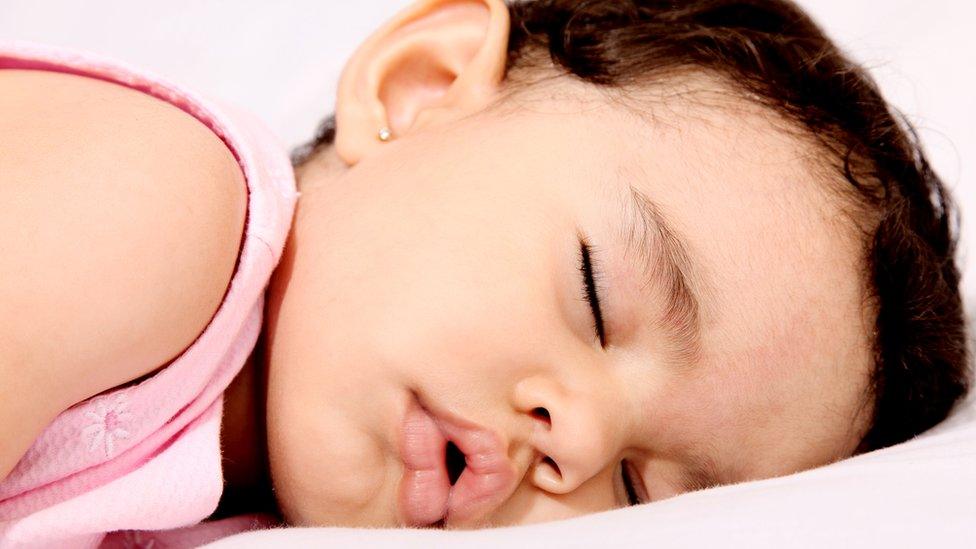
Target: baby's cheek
point(325, 469)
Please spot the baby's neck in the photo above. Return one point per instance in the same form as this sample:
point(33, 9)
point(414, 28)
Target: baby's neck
point(247, 486)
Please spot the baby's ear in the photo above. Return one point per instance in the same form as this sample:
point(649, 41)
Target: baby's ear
point(436, 61)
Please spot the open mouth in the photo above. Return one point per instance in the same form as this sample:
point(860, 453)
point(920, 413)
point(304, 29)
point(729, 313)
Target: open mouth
point(454, 471)
point(454, 461)
point(454, 458)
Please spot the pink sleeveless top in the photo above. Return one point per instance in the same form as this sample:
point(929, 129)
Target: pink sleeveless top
point(146, 457)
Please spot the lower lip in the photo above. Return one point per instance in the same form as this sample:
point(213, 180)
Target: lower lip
point(426, 496)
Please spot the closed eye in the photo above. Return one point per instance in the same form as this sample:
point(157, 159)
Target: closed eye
point(633, 485)
point(591, 274)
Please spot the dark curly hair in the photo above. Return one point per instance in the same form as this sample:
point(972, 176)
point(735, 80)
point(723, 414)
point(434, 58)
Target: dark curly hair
point(773, 53)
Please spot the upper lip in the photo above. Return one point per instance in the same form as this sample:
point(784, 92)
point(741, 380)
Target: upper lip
point(426, 496)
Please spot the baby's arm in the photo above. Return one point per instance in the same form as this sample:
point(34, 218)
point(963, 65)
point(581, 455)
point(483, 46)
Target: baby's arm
point(122, 218)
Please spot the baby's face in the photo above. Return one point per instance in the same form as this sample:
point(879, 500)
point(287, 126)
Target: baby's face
point(445, 271)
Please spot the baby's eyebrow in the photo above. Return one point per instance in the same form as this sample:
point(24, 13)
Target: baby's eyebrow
point(701, 474)
point(664, 263)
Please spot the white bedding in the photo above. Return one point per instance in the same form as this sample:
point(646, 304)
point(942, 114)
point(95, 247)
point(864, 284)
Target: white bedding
point(281, 60)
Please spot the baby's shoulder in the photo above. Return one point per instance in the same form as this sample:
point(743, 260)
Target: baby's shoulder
point(122, 221)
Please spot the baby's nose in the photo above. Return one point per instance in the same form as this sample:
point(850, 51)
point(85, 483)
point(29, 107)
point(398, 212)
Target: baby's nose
point(576, 432)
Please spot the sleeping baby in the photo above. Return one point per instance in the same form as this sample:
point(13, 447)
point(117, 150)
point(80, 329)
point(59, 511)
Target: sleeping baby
point(547, 258)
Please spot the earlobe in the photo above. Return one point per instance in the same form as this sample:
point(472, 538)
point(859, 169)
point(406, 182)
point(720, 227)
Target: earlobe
point(436, 61)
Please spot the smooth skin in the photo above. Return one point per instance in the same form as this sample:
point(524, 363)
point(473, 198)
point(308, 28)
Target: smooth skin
point(122, 219)
point(446, 262)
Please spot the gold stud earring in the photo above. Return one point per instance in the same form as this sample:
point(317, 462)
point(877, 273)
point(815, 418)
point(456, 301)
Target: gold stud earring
point(384, 134)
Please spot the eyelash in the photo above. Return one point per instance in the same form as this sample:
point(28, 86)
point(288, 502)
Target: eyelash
point(589, 268)
point(633, 498)
point(591, 274)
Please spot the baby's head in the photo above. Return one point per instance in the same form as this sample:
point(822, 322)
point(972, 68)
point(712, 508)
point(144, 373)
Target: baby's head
point(614, 251)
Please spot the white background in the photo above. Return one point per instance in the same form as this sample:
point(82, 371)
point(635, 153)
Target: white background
point(281, 59)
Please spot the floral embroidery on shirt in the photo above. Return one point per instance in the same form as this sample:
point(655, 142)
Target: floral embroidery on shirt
point(107, 425)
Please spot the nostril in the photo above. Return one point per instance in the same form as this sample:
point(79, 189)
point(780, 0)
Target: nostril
point(551, 463)
point(542, 415)
point(547, 475)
